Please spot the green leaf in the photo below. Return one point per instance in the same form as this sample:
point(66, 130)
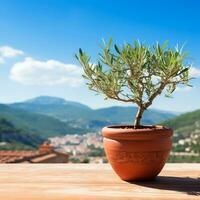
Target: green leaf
point(117, 49)
point(165, 43)
point(182, 71)
point(110, 42)
point(76, 57)
point(80, 51)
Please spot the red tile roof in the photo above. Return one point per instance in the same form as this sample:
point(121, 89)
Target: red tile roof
point(19, 156)
point(45, 152)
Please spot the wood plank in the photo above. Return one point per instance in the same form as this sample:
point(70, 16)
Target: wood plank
point(94, 181)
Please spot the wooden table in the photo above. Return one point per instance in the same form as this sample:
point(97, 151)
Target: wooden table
point(94, 181)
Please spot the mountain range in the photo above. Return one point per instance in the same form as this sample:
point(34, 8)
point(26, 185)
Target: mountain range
point(45, 117)
point(76, 113)
point(25, 125)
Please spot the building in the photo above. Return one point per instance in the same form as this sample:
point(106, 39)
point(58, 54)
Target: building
point(45, 154)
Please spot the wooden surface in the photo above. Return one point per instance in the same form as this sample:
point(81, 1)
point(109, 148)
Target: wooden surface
point(94, 181)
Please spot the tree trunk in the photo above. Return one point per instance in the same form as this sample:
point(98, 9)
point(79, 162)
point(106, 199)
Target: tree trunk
point(138, 117)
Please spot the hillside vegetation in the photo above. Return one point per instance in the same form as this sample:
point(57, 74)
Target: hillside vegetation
point(186, 137)
point(38, 124)
point(13, 138)
point(26, 124)
point(185, 124)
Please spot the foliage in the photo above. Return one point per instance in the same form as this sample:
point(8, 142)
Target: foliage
point(38, 124)
point(74, 160)
point(183, 159)
point(186, 129)
point(135, 73)
point(86, 160)
point(96, 151)
point(185, 120)
point(13, 138)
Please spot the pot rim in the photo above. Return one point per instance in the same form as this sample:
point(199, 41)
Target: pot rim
point(147, 132)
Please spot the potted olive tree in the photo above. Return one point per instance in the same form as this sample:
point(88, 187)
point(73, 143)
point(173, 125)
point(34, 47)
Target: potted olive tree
point(136, 74)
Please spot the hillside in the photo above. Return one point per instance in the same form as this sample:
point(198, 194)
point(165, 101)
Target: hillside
point(119, 114)
point(44, 117)
point(38, 124)
point(79, 115)
point(13, 138)
point(186, 137)
point(186, 123)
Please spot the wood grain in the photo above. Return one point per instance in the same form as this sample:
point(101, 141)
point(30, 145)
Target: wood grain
point(94, 181)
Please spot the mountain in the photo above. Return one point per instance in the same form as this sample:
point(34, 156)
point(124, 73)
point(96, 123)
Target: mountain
point(79, 115)
point(13, 138)
point(119, 114)
point(42, 125)
point(47, 100)
point(35, 120)
point(56, 107)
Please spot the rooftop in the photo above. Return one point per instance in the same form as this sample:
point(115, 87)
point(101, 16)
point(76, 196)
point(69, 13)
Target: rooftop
point(45, 153)
point(19, 156)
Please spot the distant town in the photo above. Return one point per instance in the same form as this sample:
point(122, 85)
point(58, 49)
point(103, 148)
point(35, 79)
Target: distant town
point(87, 148)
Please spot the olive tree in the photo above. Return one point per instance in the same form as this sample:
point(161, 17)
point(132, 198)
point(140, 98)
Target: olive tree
point(135, 73)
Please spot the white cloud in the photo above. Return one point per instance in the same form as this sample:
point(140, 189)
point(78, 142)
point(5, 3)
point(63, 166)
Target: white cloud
point(8, 52)
point(50, 72)
point(183, 89)
point(194, 72)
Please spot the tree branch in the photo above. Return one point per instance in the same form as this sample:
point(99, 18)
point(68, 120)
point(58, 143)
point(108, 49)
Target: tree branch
point(155, 94)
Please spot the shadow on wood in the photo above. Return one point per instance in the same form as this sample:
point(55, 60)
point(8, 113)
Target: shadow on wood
point(187, 185)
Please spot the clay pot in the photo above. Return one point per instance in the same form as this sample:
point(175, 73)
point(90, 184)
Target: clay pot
point(137, 154)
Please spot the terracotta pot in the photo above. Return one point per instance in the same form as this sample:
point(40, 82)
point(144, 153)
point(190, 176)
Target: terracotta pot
point(137, 154)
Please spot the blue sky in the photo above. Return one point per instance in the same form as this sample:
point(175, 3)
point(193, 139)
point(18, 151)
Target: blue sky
point(38, 40)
